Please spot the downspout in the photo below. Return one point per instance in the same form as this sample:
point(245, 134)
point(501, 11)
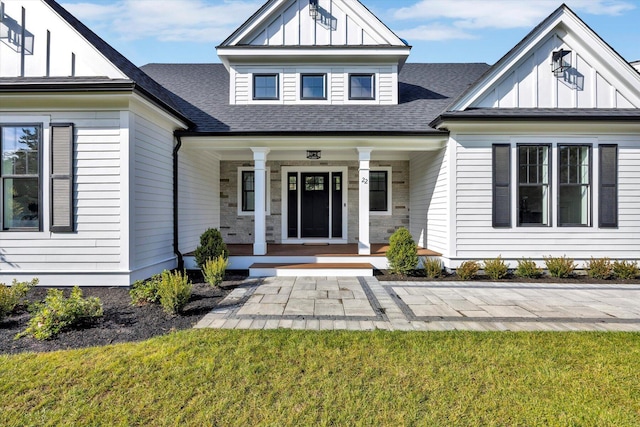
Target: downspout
point(175, 203)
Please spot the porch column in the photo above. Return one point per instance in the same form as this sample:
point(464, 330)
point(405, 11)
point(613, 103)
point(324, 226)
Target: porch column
point(364, 246)
point(260, 211)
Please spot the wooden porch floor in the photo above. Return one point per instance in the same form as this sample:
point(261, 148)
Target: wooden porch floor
point(351, 249)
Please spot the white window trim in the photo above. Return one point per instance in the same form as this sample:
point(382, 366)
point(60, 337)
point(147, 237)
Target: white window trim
point(389, 210)
point(239, 190)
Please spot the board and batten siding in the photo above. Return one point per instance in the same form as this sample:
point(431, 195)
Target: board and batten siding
point(337, 83)
point(475, 237)
point(198, 194)
point(93, 251)
point(429, 217)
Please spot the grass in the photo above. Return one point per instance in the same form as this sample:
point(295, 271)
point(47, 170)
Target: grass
point(283, 377)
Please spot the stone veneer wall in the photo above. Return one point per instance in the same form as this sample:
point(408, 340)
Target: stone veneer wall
point(239, 228)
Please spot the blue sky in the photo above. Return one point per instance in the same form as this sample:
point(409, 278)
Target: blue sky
point(187, 31)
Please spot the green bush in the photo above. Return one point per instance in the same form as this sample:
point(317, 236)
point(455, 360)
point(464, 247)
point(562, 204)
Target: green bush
point(467, 270)
point(625, 269)
point(145, 291)
point(58, 313)
point(402, 253)
point(600, 268)
point(495, 268)
point(174, 291)
point(559, 266)
point(432, 267)
point(10, 296)
point(213, 270)
point(527, 268)
point(211, 247)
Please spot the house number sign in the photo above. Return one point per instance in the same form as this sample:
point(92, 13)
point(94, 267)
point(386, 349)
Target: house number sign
point(365, 181)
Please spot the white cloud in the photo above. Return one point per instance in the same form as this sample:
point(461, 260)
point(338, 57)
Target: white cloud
point(434, 32)
point(165, 20)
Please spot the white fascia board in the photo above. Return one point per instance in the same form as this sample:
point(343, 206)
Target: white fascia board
point(228, 55)
point(382, 33)
point(254, 22)
point(541, 127)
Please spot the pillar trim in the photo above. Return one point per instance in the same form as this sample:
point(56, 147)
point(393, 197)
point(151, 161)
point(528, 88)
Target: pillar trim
point(260, 211)
point(364, 158)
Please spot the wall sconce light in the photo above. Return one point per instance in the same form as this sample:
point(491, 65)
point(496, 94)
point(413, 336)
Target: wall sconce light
point(558, 63)
point(313, 9)
point(314, 154)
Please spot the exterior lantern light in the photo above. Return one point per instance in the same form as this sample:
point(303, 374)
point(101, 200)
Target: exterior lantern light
point(314, 154)
point(313, 9)
point(558, 63)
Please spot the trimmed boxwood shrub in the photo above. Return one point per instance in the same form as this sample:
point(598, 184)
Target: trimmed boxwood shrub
point(403, 252)
point(211, 247)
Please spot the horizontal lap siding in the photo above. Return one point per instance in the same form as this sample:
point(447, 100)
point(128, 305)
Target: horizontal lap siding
point(199, 195)
point(477, 239)
point(95, 245)
point(153, 194)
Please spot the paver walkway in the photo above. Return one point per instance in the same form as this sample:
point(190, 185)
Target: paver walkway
point(364, 303)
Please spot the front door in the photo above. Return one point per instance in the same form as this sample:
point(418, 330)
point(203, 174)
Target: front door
point(314, 203)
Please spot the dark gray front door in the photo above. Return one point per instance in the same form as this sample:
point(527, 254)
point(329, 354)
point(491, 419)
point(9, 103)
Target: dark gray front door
point(314, 203)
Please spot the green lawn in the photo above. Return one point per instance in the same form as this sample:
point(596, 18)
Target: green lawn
point(283, 377)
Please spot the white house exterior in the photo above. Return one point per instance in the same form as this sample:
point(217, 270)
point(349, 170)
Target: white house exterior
point(312, 130)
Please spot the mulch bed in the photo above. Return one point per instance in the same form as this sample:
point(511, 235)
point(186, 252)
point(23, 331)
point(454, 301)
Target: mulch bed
point(122, 321)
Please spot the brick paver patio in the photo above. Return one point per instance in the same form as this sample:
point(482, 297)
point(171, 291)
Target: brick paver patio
point(364, 303)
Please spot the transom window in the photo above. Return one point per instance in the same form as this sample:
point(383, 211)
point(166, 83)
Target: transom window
point(265, 86)
point(574, 171)
point(533, 185)
point(313, 86)
point(20, 176)
point(361, 86)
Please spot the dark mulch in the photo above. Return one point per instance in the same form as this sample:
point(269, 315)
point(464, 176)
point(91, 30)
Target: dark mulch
point(418, 276)
point(122, 322)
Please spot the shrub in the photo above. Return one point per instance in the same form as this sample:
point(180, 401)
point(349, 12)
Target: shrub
point(600, 268)
point(213, 270)
point(174, 291)
point(402, 253)
point(527, 268)
point(58, 313)
point(432, 267)
point(468, 270)
point(625, 269)
point(10, 296)
point(495, 268)
point(559, 266)
point(211, 247)
point(145, 291)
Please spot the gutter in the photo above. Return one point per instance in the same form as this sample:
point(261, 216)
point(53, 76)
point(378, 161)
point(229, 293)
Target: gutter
point(175, 202)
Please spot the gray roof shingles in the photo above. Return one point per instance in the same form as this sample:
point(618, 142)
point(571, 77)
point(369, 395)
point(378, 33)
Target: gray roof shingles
point(425, 91)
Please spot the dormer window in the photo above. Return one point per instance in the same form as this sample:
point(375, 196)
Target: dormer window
point(361, 86)
point(265, 86)
point(313, 86)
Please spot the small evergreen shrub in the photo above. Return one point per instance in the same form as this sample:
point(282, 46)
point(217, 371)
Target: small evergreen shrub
point(600, 268)
point(468, 270)
point(10, 296)
point(625, 269)
point(527, 268)
point(58, 313)
point(174, 291)
point(495, 268)
point(211, 247)
point(145, 291)
point(432, 267)
point(402, 253)
point(213, 270)
point(559, 266)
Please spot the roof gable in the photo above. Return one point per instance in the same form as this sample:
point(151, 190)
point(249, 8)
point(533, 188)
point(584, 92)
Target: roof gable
point(288, 23)
point(598, 77)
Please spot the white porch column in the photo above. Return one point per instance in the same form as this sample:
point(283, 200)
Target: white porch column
point(364, 246)
point(260, 211)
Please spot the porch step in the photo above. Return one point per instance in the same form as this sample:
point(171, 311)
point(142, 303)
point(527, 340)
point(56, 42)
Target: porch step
point(311, 269)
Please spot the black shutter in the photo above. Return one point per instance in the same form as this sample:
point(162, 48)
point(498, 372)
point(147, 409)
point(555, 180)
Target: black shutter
point(501, 185)
point(608, 191)
point(62, 178)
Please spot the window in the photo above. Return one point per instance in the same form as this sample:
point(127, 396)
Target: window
point(247, 191)
point(20, 175)
point(361, 86)
point(378, 191)
point(574, 172)
point(533, 185)
point(265, 86)
point(313, 86)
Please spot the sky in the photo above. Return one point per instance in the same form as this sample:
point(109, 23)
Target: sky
point(187, 31)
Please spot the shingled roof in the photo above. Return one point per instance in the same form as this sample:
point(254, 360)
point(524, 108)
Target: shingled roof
point(425, 90)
